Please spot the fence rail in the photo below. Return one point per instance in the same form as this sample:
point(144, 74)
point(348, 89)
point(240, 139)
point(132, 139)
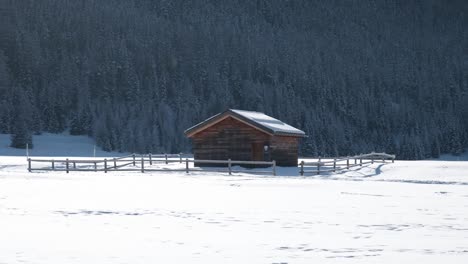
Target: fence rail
point(141, 163)
point(343, 163)
point(144, 163)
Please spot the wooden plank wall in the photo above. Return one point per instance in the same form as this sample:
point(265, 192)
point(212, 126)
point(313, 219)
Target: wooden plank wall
point(228, 139)
point(284, 150)
point(232, 139)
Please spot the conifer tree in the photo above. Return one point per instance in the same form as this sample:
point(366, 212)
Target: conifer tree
point(21, 135)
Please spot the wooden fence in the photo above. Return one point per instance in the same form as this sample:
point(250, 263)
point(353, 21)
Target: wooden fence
point(143, 163)
point(344, 163)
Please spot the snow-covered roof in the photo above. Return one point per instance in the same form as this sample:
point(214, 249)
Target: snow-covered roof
point(256, 119)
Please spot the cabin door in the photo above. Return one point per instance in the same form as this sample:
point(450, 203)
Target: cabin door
point(257, 151)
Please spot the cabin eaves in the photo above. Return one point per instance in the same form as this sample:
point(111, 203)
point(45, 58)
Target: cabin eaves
point(258, 120)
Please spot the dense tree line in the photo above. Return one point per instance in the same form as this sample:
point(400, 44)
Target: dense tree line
point(356, 76)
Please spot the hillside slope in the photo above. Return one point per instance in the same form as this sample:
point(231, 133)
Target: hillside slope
point(356, 76)
point(56, 145)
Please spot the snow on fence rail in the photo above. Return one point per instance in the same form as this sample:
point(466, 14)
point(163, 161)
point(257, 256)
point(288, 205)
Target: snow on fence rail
point(343, 163)
point(123, 163)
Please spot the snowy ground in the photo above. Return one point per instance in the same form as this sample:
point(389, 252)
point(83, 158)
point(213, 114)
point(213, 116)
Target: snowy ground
point(406, 212)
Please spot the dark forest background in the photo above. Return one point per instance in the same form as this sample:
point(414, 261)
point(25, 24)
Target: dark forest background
point(356, 76)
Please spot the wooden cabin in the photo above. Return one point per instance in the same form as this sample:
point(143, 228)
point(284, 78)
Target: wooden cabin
point(247, 136)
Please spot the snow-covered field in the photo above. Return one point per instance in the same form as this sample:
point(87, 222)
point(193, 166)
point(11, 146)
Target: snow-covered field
point(406, 212)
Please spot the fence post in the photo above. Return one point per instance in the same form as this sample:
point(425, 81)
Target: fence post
point(29, 164)
point(229, 166)
point(347, 163)
point(95, 166)
point(134, 161)
point(142, 164)
point(372, 160)
point(165, 155)
point(355, 161)
point(53, 164)
point(334, 165)
point(180, 157)
point(274, 168)
point(318, 165)
point(151, 161)
point(360, 161)
point(186, 166)
point(393, 159)
point(302, 168)
point(105, 165)
point(115, 164)
point(66, 164)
